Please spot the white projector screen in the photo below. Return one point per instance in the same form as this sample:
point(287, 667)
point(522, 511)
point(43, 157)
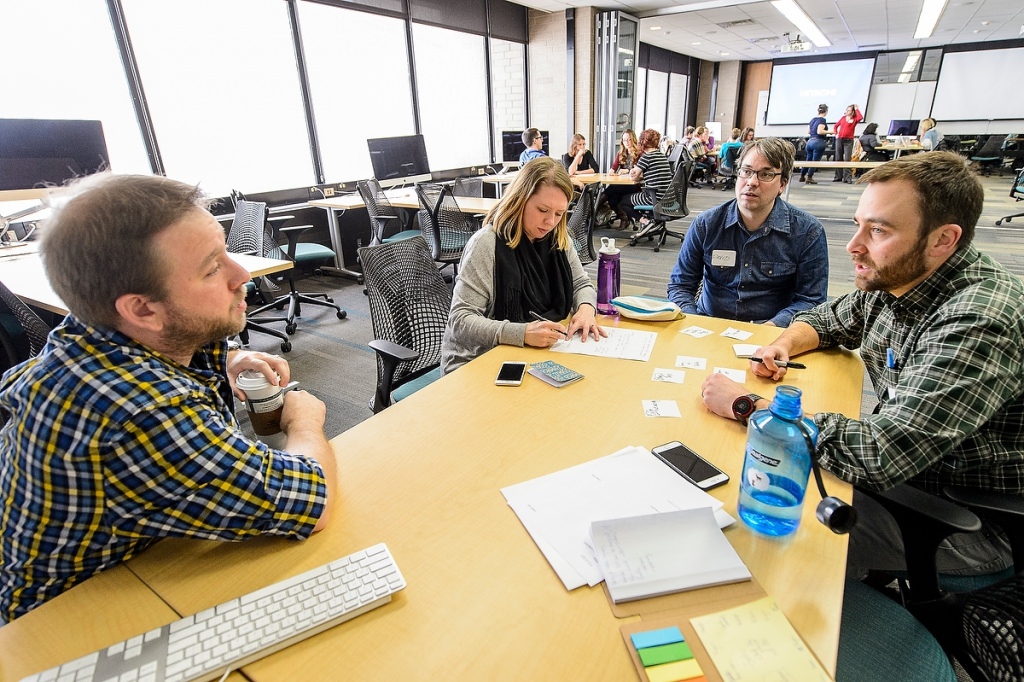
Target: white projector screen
point(798, 89)
point(979, 86)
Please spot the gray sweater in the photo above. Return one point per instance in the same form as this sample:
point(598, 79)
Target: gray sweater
point(471, 331)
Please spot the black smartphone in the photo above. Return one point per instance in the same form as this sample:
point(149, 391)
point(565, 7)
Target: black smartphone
point(511, 374)
point(690, 465)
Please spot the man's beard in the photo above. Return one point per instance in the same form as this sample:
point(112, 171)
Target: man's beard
point(903, 271)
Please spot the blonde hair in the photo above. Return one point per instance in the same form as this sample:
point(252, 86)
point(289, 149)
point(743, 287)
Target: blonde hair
point(506, 219)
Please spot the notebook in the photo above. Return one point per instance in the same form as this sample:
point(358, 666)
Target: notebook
point(656, 554)
point(555, 374)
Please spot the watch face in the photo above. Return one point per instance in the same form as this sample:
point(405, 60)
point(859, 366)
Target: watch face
point(743, 406)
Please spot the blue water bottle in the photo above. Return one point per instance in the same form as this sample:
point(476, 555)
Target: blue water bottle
point(607, 276)
point(776, 465)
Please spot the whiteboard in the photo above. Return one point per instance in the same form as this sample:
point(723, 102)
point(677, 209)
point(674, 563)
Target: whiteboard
point(979, 86)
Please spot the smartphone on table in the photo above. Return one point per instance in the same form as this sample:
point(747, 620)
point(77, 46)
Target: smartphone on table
point(690, 465)
point(510, 374)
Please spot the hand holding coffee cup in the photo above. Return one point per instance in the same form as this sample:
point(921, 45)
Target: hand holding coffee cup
point(264, 402)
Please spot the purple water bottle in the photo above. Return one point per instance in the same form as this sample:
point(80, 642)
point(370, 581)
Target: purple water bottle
point(607, 276)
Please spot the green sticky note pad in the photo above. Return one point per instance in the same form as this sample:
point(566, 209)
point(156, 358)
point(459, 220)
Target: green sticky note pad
point(643, 640)
point(666, 653)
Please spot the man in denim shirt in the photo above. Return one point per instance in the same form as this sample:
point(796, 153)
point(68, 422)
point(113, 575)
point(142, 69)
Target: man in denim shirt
point(755, 258)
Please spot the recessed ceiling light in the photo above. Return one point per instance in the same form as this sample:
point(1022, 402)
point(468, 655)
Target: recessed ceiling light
point(697, 43)
point(724, 54)
point(655, 28)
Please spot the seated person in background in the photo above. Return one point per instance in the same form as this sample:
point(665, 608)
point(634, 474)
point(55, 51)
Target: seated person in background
point(579, 160)
point(522, 262)
point(940, 329)
point(652, 170)
point(121, 431)
point(869, 143)
point(732, 142)
point(698, 151)
point(747, 135)
point(688, 136)
point(727, 156)
point(930, 135)
point(629, 152)
point(755, 258)
point(534, 142)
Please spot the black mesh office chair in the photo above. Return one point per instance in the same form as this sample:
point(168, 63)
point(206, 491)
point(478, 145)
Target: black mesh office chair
point(990, 156)
point(983, 628)
point(251, 233)
point(385, 222)
point(409, 304)
point(671, 206)
point(727, 168)
point(581, 224)
point(443, 225)
point(22, 332)
point(468, 187)
point(1017, 192)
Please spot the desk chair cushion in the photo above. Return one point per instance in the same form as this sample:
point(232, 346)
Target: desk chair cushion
point(306, 252)
point(404, 234)
point(410, 387)
point(880, 640)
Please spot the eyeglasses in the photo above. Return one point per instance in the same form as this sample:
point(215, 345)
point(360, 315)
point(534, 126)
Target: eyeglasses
point(746, 172)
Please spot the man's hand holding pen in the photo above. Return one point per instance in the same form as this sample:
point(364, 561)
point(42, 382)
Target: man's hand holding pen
point(772, 361)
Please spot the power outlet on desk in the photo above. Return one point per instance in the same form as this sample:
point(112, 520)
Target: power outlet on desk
point(328, 191)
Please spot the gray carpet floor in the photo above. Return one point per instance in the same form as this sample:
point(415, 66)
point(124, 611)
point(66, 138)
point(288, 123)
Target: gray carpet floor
point(330, 357)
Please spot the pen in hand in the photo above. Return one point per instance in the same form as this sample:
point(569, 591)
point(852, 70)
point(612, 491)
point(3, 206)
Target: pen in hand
point(783, 363)
point(541, 318)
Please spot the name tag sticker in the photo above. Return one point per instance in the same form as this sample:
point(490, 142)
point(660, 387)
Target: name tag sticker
point(723, 259)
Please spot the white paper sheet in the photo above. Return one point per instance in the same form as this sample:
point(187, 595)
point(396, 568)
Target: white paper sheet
point(557, 509)
point(626, 344)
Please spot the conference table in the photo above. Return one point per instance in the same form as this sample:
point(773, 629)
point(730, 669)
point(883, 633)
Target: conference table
point(425, 477)
point(23, 274)
point(502, 179)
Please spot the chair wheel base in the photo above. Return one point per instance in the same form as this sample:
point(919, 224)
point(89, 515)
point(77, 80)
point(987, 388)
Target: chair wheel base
point(342, 314)
point(290, 328)
point(286, 346)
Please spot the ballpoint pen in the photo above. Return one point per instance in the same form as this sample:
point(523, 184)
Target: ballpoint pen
point(783, 363)
point(541, 318)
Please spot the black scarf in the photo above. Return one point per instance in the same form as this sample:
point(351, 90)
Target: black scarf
point(534, 276)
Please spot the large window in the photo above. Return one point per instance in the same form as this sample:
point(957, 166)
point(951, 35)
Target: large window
point(359, 82)
point(452, 83)
point(60, 60)
point(223, 91)
point(508, 89)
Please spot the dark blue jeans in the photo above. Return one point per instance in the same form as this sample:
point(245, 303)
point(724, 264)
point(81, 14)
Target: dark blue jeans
point(815, 148)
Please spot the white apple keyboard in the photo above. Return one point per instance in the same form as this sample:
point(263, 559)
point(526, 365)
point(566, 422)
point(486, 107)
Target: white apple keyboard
point(207, 645)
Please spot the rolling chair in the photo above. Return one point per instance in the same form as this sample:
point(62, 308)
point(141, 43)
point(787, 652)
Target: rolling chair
point(978, 620)
point(671, 206)
point(443, 225)
point(468, 187)
point(22, 332)
point(727, 168)
point(385, 222)
point(990, 156)
point(1017, 192)
point(251, 233)
point(409, 305)
point(581, 225)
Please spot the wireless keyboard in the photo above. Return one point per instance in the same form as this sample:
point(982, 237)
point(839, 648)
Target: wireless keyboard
point(206, 645)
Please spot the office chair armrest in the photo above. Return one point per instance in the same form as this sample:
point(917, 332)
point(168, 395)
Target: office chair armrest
point(291, 233)
point(390, 354)
point(1005, 509)
point(924, 519)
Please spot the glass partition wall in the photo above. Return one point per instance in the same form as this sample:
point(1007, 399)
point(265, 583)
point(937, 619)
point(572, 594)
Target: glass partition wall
point(614, 80)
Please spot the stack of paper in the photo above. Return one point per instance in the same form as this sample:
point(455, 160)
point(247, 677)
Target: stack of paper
point(656, 554)
point(558, 509)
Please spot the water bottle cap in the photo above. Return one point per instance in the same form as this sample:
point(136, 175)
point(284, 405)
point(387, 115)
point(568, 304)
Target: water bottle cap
point(608, 245)
point(787, 402)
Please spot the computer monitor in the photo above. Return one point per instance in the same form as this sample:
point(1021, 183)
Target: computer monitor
point(399, 160)
point(904, 126)
point(39, 152)
point(512, 145)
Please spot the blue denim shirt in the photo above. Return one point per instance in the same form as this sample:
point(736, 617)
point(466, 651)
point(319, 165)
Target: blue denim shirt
point(769, 274)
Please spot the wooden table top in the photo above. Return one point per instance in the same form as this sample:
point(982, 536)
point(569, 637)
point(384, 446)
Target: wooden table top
point(425, 476)
point(404, 198)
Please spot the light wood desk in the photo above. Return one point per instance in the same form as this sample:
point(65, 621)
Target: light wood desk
point(425, 475)
point(605, 179)
point(24, 275)
point(897, 149)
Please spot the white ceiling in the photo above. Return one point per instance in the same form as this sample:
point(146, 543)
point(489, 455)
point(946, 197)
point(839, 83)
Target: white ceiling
point(850, 25)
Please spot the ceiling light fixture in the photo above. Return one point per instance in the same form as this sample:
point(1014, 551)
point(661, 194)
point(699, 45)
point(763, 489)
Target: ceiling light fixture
point(930, 14)
point(911, 63)
point(792, 11)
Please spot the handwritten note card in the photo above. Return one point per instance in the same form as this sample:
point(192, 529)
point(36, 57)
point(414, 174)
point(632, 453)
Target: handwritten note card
point(756, 641)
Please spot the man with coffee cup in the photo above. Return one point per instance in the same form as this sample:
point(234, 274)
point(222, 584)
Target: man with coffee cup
point(121, 431)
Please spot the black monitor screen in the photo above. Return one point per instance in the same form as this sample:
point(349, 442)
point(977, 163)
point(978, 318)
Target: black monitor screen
point(512, 144)
point(399, 158)
point(904, 126)
point(38, 152)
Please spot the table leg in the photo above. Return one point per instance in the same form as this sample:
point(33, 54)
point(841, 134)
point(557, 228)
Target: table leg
point(339, 269)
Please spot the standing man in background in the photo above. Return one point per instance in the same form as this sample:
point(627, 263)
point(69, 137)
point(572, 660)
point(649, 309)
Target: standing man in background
point(845, 129)
point(534, 142)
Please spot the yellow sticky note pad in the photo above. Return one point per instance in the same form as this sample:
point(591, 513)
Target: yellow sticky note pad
point(675, 671)
point(756, 641)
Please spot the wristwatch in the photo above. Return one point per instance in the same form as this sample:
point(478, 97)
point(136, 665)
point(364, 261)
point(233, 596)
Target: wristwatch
point(744, 406)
